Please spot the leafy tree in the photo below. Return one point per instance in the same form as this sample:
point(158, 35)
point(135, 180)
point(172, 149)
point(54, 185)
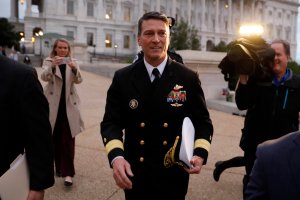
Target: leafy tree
point(184, 37)
point(194, 42)
point(8, 37)
point(221, 47)
point(293, 65)
point(180, 36)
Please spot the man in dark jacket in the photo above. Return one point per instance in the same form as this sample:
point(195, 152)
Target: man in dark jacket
point(25, 125)
point(272, 107)
point(151, 116)
point(276, 171)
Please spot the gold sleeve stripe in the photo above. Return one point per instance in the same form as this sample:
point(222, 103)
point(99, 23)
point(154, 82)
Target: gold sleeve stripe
point(202, 143)
point(113, 144)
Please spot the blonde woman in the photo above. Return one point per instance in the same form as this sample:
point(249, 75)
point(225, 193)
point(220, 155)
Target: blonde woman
point(61, 72)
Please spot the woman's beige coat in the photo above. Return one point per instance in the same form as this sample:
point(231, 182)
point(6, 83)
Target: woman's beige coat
point(53, 89)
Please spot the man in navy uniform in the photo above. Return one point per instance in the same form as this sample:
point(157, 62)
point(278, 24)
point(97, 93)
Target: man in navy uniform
point(144, 114)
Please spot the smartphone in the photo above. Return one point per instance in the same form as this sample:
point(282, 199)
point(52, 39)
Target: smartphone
point(65, 60)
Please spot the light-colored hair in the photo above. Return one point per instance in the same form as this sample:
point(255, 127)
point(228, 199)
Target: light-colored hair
point(54, 53)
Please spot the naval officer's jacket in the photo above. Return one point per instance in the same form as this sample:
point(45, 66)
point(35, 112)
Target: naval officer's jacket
point(141, 124)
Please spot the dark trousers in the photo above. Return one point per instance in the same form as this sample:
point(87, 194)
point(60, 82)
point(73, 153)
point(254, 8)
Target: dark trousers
point(237, 161)
point(151, 183)
point(64, 147)
point(249, 157)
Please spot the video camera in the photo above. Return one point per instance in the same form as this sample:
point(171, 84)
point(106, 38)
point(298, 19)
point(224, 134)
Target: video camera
point(250, 55)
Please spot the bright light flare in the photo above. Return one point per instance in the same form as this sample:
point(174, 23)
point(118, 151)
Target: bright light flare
point(41, 33)
point(249, 30)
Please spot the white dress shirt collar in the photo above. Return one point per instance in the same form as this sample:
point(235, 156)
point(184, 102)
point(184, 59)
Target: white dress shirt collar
point(160, 67)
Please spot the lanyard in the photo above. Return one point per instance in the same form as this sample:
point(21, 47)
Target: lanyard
point(282, 80)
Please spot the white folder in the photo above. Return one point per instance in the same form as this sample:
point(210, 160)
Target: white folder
point(14, 183)
point(187, 142)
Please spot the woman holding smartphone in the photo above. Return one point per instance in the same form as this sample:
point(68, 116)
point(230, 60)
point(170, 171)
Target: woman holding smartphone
point(61, 72)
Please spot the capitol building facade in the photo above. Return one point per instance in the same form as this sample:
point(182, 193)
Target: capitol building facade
point(109, 27)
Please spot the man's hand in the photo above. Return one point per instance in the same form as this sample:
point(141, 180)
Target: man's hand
point(243, 79)
point(121, 170)
point(36, 195)
point(197, 163)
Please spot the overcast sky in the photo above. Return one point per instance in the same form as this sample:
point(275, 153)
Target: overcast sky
point(5, 9)
point(5, 12)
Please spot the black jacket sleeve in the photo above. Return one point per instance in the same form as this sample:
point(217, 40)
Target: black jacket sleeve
point(34, 118)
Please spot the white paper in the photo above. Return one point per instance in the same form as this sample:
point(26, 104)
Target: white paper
point(14, 184)
point(187, 142)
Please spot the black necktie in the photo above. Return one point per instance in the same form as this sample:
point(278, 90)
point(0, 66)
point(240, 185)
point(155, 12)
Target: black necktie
point(156, 73)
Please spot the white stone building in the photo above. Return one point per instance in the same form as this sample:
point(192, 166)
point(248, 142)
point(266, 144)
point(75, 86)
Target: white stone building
point(109, 27)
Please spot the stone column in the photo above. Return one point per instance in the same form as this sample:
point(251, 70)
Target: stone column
point(174, 6)
point(274, 31)
point(203, 43)
point(140, 8)
point(283, 27)
point(209, 21)
point(158, 5)
point(152, 7)
point(294, 27)
point(189, 9)
point(101, 39)
point(253, 10)
point(101, 12)
point(229, 22)
point(117, 40)
point(242, 9)
point(82, 7)
point(118, 11)
point(203, 25)
point(196, 12)
point(80, 35)
point(217, 16)
point(14, 10)
point(264, 11)
point(28, 8)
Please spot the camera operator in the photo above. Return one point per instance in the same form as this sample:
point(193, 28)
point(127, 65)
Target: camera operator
point(272, 107)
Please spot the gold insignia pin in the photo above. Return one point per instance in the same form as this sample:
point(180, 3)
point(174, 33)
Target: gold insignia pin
point(178, 87)
point(176, 104)
point(133, 103)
